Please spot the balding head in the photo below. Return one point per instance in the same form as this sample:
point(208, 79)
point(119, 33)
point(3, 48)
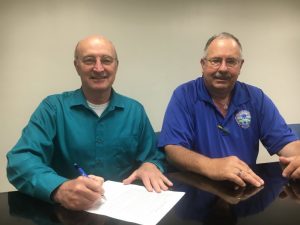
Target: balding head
point(94, 41)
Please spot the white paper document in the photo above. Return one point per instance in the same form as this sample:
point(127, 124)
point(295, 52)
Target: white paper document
point(133, 203)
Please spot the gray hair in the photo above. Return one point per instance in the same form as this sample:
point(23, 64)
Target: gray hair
point(223, 35)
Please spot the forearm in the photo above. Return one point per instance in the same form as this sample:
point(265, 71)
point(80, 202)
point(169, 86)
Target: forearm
point(187, 159)
point(227, 168)
point(29, 175)
point(291, 149)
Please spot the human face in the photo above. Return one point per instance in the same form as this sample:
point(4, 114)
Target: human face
point(221, 66)
point(96, 64)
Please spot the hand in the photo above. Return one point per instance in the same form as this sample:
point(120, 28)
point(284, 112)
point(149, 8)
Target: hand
point(151, 177)
point(292, 166)
point(233, 169)
point(81, 193)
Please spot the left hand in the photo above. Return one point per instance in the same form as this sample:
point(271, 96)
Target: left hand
point(292, 166)
point(151, 177)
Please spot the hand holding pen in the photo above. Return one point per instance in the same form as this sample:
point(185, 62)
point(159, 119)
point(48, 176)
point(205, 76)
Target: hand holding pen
point(83, 173)
point(81, 193)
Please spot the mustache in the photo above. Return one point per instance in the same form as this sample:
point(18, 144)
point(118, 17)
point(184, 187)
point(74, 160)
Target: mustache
point(222, 76)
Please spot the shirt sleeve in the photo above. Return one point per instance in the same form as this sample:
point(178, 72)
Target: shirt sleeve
point(28, 163)
point(148, 151)
point(275, 133)
point(178, 124)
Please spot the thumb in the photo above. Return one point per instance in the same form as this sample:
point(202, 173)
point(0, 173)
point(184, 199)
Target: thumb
point(285, 160)
point(130, 179)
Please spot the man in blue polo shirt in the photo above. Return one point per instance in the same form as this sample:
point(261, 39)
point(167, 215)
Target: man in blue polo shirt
point(107, 134)
point(213, 124)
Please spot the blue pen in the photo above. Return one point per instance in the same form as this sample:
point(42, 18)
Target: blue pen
point(81, 171)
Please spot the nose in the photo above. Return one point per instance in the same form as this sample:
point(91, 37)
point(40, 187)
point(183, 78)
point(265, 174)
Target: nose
point(98, 67)
point(223, 66)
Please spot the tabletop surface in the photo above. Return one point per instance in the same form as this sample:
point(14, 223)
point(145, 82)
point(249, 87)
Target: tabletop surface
point(205, 202)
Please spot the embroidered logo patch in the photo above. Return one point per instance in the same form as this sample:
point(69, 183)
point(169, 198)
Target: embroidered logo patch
point(243, 118)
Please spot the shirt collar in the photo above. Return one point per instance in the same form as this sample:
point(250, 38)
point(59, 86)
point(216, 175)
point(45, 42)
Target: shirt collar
point(115, 101)
point(79, 99)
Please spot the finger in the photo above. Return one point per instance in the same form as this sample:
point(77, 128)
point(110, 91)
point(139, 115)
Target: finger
point(287, 171)
point(92, 184)
point(163, 185)
point(167, 181)
point(295, 174)
point(87, 190)
point(250, 177)
point(147, 183)
point(90, 195)
point(96, 178)
point(156, 185)
point(247, 174)
point(237, 180)
point(99, 180)
point(130, 179)
point(285, 160)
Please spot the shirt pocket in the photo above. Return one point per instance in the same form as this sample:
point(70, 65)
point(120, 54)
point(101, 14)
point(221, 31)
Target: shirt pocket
point(124, 151)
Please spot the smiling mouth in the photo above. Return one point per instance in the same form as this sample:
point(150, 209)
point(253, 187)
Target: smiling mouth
point(99, 77)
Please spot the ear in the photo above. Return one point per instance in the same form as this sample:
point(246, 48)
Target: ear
point(202, 62)
point(242, 62)
point(76, 65)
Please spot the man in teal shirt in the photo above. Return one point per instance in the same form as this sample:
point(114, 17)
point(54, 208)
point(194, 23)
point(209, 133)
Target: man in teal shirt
point(108, 134)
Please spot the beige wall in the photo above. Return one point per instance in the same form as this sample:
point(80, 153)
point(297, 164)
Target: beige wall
point(159, 45)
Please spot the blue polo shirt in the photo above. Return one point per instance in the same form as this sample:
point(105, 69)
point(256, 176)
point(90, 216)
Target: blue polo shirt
point(64, 130)
point(192, 121)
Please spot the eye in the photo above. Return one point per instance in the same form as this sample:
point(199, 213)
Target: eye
point(231, 61)
point(106, 60)
point(89, 60)
point(215, 61)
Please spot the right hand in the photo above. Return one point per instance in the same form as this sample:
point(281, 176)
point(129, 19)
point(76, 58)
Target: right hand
point(81, 193)
point(233, 169)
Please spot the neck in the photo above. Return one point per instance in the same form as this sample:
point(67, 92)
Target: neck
point(222, 103)
point(97, 97)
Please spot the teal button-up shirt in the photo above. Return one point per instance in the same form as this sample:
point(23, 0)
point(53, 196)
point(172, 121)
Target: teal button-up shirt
point(64, 130)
